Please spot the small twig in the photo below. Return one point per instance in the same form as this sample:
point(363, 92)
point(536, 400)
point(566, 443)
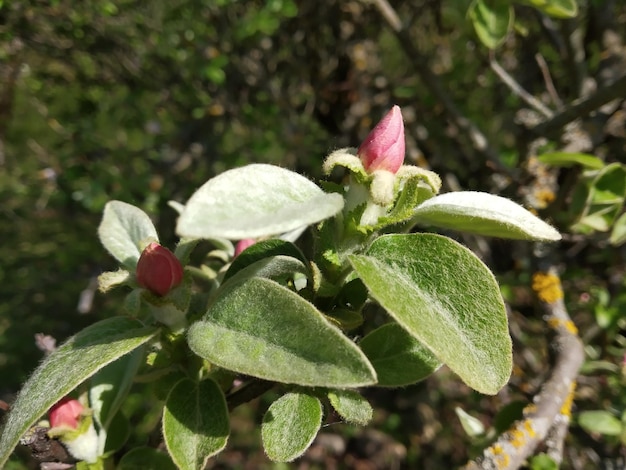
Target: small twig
point(547, 79)
point(551, 407)
point(248, 392)
point(581, 108)
point(420, 65)
point(573, 33)
point(516, 88)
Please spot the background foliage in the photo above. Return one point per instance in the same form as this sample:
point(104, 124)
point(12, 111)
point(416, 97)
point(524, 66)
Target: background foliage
point(144, 101)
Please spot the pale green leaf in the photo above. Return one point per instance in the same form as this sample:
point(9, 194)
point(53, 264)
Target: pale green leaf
point(444, 296)
point(72, 363)
point(565, 159)
point(290, 425)
point(600, 421)
point(543, 461)
point(265, 330)
point(483, 214)
point(195, 423)
point(255, 201)
point(351, 406)
point(492, 20)
point(399, 358)
point(473, 427)
point(618, 234)
point(557, 8)
point(125, 230)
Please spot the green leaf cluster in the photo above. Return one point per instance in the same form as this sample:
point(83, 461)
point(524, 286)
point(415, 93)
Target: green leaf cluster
point(273, 318)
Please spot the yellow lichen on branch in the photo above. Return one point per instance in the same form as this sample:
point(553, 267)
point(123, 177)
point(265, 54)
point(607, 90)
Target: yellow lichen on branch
point(555, 323)
point(547, 286)
point(566, 409)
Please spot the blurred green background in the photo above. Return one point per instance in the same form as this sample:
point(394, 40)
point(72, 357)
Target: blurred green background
point(144, 101)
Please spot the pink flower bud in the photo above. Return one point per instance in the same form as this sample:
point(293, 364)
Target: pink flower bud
point(158, 269)
point(243, 244)
point(65, 413)
point(383, 148)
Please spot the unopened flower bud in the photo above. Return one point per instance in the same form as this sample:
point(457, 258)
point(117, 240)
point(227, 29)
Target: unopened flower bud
point(383, 148)
point(65, 413)
point(158, 269)
point(72, 424)
point(242, 245)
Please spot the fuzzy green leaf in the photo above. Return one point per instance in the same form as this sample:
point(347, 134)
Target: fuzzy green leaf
point(260, 328)
point(255, 201)
point(261, 250)
point(484, 214)
point(124, 232)
point(290, 425)
point(195, 423)
point(351, 406)
point(109, 387)
point(399, 358)
point(444, 296)
point(72, 363)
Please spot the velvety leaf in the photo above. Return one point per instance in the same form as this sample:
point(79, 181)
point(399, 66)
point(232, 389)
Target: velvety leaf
point(444, 296)
point(484, 214)
point(564, 159)
point(492, 20)
point(195, 423)
point(255, 201)
point(72, 363)
point(290, 425)
point(600, 421)
point(145, 458)
point(399, 358)
point(124, 231)
point(415, 191)
point(262, 329)
point(351, 406)
point(108, 389)
point(261, 250)
point(109, 280)
point(278, 268)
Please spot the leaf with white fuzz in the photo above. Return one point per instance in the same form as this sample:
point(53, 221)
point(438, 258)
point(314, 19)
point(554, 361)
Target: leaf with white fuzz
point(483, 214)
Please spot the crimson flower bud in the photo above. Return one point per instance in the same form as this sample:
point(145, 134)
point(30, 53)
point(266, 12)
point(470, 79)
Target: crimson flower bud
point(65, 413)
point(243, 244)
point(158, 269)
point(383, 148)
